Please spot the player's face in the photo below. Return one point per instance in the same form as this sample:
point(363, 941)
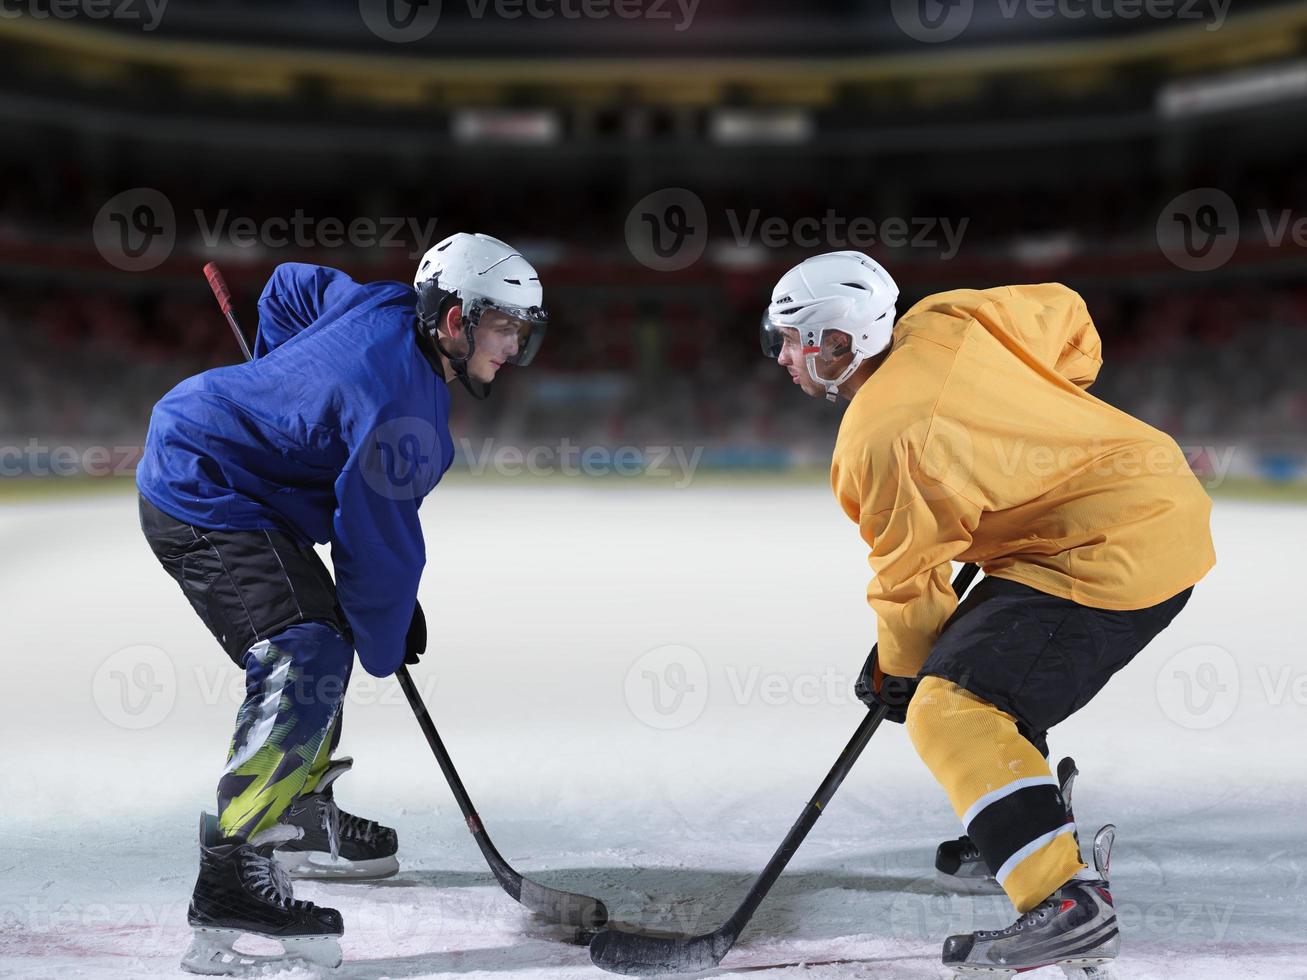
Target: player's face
point(498, 338)
point(791, 358)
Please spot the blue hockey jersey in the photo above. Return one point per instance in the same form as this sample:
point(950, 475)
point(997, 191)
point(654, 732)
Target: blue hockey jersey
point(333, 433)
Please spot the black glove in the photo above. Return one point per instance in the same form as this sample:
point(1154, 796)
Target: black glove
point(415, 643)
point(874, 688)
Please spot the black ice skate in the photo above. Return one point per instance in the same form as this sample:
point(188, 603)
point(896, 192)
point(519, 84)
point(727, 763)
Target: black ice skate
point(241, 891)
point(959, 863)
point(336, 844)
point(1074, 928)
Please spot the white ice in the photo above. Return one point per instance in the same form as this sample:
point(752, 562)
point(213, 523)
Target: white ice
point(641, 686)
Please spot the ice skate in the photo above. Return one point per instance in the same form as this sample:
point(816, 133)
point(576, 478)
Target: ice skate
point(1074, 928)
point(335, 844)
point(958, 863)
point(242, 892)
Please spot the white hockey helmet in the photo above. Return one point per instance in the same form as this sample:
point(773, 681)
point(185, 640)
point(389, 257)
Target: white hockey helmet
point(842, 306)
point(480, 273)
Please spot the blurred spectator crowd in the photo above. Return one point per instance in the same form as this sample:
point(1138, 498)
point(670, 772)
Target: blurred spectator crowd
point(85, 368)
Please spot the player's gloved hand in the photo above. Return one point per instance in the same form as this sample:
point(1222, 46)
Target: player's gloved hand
point(415, 643)
point(874, 687)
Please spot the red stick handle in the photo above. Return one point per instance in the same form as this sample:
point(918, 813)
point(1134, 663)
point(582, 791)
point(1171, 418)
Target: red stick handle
point(223, 295)
point(219, 286)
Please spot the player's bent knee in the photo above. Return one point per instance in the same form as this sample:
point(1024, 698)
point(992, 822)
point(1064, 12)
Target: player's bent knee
point(934, 708)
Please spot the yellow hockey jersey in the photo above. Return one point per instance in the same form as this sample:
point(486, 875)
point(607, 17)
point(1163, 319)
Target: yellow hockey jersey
point(976, 440)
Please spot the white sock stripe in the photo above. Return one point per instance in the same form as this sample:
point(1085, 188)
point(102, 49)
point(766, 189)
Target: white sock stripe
point(1003, 791)
point(1010, 864)
point(274, 684)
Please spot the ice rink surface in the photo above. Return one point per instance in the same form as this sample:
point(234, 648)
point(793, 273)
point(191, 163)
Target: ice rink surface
point(641, 685)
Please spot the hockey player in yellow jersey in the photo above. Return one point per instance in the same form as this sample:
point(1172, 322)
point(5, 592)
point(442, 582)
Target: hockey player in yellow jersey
point(971, 436)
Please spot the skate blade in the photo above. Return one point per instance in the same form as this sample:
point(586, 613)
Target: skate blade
point(213, 953)
point(1087, 968)
point(320, 865)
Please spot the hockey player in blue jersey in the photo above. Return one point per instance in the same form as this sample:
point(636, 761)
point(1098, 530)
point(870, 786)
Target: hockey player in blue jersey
point(333, 433)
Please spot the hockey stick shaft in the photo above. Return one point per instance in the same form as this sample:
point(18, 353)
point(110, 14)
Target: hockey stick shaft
point(639, 955)
point(566, 907)
point(861, 736)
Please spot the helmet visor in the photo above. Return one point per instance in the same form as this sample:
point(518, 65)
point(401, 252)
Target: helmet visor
point(828, 351)
point(526, 325)
point(772, 337)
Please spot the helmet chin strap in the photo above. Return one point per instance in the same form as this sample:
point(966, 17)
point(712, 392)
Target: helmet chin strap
point(430, 345)
point(831, 386)
point(480, 390)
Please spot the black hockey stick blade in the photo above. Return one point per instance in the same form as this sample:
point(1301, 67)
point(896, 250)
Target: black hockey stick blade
point(565, 908)
point(647, 954)
point(552, 904)
point(643, 954)
point(639, 954)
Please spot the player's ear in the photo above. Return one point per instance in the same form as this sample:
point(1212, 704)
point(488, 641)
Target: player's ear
point(452, 323)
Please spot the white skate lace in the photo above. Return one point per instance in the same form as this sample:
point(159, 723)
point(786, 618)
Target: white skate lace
point(1038, 914)
point(268, 879)
point(336, 821)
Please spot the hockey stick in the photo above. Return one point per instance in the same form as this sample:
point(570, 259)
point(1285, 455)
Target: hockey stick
point(223, 295)
point(566, 908)
point(640, 954)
